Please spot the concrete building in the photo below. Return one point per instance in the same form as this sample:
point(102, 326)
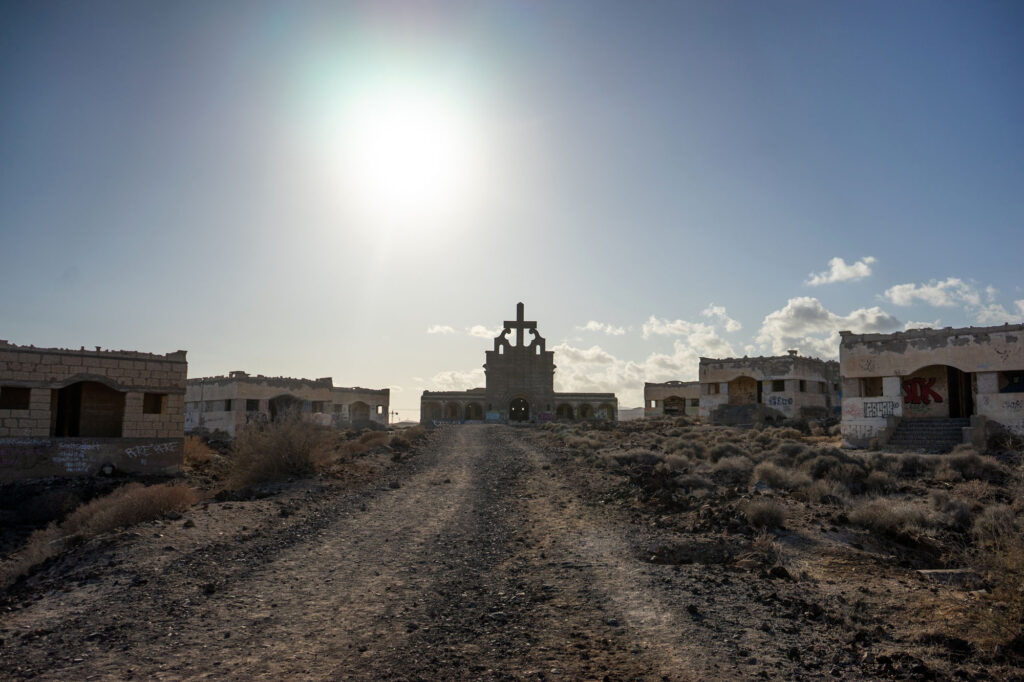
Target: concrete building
point(221, 404)
point(932, 388)
point(758, 390)
point(78, 412)
point(672, 398)
point(520, 386)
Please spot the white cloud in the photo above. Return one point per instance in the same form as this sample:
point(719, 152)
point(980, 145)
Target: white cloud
point(996, 313)
point(839, 271)
point(440, 329)
point(922, 325)
point(806, 325)
point(482, 331)
point(595, 326)
point(950, 292)
point(717, 312)
point(456, 380)
point(1020, 306)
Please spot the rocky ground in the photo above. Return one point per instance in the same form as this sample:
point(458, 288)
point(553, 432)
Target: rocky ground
point(489, 553)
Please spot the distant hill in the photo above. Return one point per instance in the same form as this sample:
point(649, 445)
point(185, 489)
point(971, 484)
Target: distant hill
point(632, 413)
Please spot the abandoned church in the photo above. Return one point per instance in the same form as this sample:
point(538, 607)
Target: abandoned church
point(932, 388)
point(82, 412)
point(520, 386)
point(759, 390)
point(222, 404)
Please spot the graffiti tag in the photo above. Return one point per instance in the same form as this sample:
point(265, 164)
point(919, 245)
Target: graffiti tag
point(882, 408)
point(779, 401)
point(919, 391)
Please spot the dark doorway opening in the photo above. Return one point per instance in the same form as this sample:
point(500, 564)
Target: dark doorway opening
point(358, 412)
point(519, 410)
point(284, 406)
point(961, 401)
point(88, 409)
point(474, 412)
point(674, 406)
point(564, 411)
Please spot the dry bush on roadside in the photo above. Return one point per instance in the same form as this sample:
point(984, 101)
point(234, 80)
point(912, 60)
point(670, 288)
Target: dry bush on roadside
point(827, 492)
point(676, 463)
point(415, 433)
point(373, 439)
point(956, 512)
point(964, 463)
point(887, 516)
point(976, 490)
point(692, 482)
point(878, 482)
point(128, 505)
point(765, 514)
point(280, 449)
point(780, 477)
point(582, 442)
point(725, 450)
point(999, 556)
point(399, 442)
point(197, 455)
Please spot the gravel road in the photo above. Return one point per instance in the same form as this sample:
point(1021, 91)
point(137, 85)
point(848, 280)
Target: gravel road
point(484, 557)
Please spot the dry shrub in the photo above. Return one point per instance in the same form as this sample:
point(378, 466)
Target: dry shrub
point(999, 557)
point(888, 516)
point(779, 477)
point(637, 457)
point(415, 433)
point(878, 482)
point(765, 513)
point(582, 442)
point(964, 463)
point(197, 454)
point(827, 492)
point(976, 490)
point(956, 512)
point(676, 463)
point(733, 470)
point(372, 439)
point(725, 450)
point(692, 482)
point(280, 449)
point(399, 442)
point(128, 505)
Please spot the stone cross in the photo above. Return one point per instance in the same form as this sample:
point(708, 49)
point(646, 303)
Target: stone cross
point(519, 324)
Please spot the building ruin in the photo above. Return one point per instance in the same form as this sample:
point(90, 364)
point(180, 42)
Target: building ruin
point(932, 388)
point(759, 390)
point(672, 398)
point(82, 412)
point(223, 404)
point(520, 386)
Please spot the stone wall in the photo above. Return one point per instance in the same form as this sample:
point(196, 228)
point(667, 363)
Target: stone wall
point(789, 386)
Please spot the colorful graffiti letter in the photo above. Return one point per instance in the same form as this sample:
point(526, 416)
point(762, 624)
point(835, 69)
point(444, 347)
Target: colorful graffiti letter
point(919, 391)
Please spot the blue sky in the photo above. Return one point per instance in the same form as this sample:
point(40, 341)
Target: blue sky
point(173, 176)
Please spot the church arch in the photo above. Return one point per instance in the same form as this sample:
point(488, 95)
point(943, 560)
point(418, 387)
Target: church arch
point(432, 411)
point(519, 410)
point(453, 411)
point(586, 411)
point(358, 411)
point(474, 412)
point(564, 411)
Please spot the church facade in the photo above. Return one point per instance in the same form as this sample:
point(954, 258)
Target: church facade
point(520, 386)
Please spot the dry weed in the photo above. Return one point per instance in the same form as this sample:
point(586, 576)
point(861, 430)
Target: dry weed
point(280, 449)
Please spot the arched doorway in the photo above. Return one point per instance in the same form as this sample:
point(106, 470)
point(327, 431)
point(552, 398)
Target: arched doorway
point(519, 410)
point(358, 412)
point(474, 412)
point(743, 391)
point(564, 411)
point(432, 411)
point(937, 391)
point(586, 411)
point(283, 406)
point(453, 411)
point(674, 406)
point(89, 409)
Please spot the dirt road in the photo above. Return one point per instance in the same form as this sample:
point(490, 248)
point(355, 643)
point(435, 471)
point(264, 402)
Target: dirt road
point(484, 558)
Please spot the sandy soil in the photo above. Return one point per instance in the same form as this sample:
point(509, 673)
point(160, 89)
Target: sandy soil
point(485, 556)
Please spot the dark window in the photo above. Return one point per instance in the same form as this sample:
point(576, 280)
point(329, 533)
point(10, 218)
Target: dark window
point(14, 397)
point(153, 403)
point(778, 385)
point(694, 402)
point(803, 386)
point(252, 405)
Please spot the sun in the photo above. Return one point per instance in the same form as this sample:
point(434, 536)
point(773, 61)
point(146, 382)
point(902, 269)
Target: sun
point(408, 152)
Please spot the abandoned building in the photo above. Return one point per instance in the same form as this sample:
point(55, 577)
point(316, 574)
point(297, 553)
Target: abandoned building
point(82, 412)
point(672, 398)
point(930, 389)
point(759, 390)
point(520, 387)
point(221, 404)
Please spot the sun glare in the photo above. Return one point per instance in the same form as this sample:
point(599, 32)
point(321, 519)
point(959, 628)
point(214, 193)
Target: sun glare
point(408, 152)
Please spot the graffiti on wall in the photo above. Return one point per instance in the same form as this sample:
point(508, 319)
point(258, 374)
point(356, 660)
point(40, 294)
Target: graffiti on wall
point(918, 391)
point(779, 401)
point(882, 408)
point(23, 453)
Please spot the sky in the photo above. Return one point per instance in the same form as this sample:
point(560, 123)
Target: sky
point(366, 190)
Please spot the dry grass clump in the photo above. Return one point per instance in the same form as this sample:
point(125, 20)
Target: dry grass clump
point(278, 450)
point(128, 505)
point(999, 557)
point(888, 516)
point(964, 463)
point(827, 492)
point(783, 478)
point(734, 470)
point(765, 513)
